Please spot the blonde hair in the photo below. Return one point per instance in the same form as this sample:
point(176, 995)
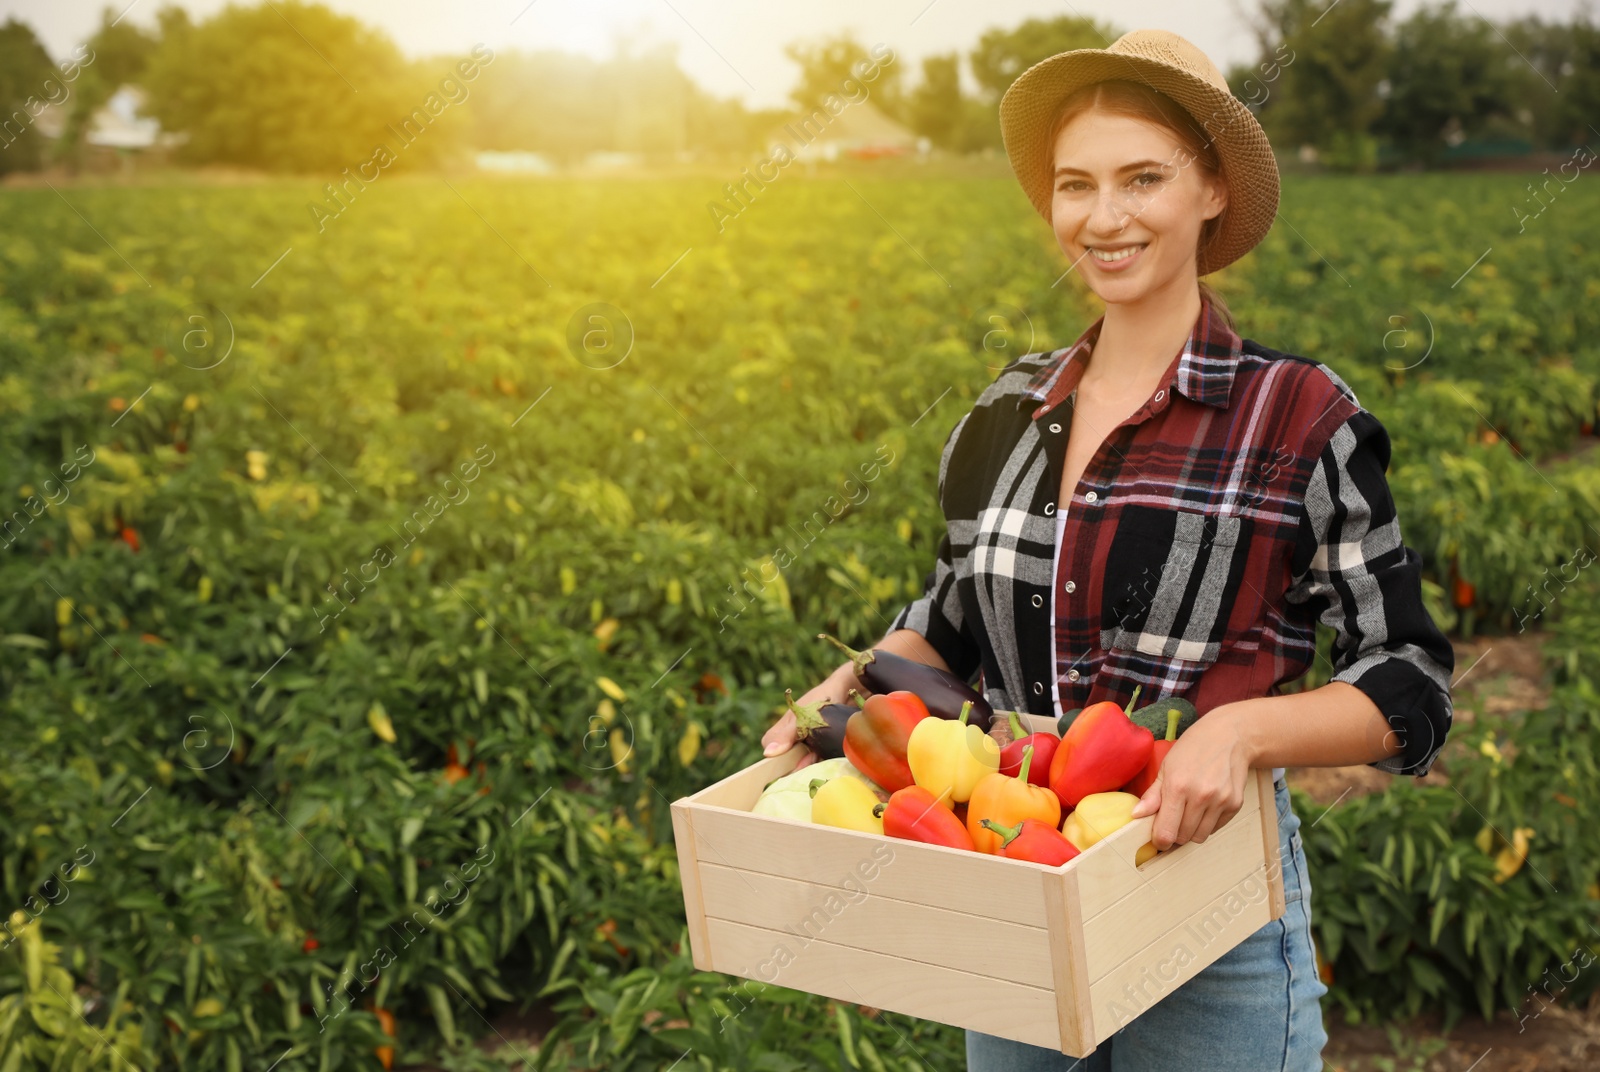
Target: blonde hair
point(1118, 96)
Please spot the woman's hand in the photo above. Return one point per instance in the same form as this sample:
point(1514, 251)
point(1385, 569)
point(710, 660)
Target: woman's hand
point(834, 689)
point(1201, 783)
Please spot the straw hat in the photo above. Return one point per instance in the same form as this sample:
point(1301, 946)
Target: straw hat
point(1166, 62)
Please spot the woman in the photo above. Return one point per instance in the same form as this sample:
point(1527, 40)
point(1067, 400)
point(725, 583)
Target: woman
point(1218, 498)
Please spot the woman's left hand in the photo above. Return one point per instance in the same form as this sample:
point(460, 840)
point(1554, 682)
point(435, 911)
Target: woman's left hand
point(1201, 783)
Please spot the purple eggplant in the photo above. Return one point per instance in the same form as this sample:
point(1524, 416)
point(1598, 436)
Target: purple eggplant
point(820, 727)
point(940, 690)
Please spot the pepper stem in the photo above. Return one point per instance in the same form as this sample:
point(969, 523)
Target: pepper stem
point(879, 809)
point(1173, 714)
point(861, 659)
point(1016, 727)
point(817, 783)
point(1132, 700)
point(1008, 834)
point(855, 698)
point(1027, 761)
point(966, 709)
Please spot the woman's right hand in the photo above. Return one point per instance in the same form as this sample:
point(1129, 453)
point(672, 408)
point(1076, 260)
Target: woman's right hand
point(834, 689)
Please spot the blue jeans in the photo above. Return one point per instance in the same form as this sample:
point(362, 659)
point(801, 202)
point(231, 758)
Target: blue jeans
point(1256, 1008)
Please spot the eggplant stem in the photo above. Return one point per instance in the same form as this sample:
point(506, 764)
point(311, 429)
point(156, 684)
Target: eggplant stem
point(807, 717)
point(861, 659)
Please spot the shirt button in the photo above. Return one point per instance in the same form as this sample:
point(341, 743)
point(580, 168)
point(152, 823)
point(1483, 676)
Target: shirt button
point(1055, 428)
point(1049, 509)
point(1071, 587)
point(1038, 600)
point(1160, 395)
point(1038, 688)
point(1091, 497)
point(1072, 675)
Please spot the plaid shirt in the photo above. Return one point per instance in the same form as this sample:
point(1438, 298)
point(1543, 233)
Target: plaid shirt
point(1243, 502)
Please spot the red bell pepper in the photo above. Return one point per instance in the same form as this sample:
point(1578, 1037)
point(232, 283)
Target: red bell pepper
point(875, 737)
point(1102, 750)
point(915, 814)
point(1034, 840)
point(1146, 778)
point(1044, 750)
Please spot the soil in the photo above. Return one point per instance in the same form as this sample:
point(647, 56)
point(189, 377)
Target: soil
point(1494, 675)
point(1552, 1039)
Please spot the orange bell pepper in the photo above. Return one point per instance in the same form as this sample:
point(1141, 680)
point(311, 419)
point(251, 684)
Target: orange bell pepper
point(1008, 801)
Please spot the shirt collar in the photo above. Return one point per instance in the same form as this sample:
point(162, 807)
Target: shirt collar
point(1202, 372)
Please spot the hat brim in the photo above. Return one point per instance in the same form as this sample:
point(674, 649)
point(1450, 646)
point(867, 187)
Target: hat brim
point(1249, 168)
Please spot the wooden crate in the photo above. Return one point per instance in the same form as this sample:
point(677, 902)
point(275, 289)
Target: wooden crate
point(1058, 957)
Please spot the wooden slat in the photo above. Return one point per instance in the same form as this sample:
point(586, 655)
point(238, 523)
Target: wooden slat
point(1269, 839)
point(944, 995)
point(1157, 969)
point(1034, 723)
point(1107, 873)
point(741, 789)
point(1229, 862)
point(689, 876)
point(956, 879)
point(1068, 963)
point(972, 941)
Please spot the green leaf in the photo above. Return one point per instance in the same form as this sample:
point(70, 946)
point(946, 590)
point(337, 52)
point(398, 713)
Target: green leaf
point(846, 1036)
point(1426, 976)
point(191, 977)
point(441, 1012)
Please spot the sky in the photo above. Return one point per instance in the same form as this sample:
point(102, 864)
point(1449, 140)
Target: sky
point(734, 48)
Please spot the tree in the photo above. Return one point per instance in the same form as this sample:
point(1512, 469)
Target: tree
point(293, 86)
point(1331, 58)
point(947, 117)
point(1449, 75)
point(1002, 55)
point(829, 69)
point(28, 84)
point(1577, 115)
point(934, 107)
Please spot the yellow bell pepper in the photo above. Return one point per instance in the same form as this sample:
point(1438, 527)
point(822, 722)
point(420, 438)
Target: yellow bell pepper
point(948, 757)
point(845, 802)
point(1098, 816)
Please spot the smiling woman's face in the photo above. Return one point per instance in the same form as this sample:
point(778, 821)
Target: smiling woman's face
point(1124, 184)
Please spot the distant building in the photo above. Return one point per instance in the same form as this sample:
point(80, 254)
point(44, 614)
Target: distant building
point(119, 136)
point(117, 124)
point(516, 162)
point(861, 131)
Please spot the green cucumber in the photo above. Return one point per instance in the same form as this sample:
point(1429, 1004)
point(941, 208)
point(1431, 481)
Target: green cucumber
point(1066, 720)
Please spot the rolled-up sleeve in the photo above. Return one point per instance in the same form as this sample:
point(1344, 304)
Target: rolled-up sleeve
point(938, 614)
point(1353, 569)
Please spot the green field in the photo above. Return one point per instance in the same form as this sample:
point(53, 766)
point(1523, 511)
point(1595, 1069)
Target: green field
point(365, 604)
